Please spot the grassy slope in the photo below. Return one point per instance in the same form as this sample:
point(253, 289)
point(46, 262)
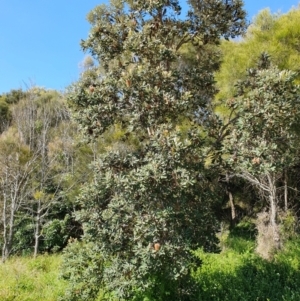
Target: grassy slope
point(26, 279)
point(236, 274)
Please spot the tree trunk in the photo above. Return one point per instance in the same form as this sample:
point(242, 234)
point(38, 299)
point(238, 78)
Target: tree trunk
point(285, 192)
point(36, 238)
point(233, 212)
point(273, 211)
point(8, 232)
point(4, 220)
point(231, 202)
point(37, 230)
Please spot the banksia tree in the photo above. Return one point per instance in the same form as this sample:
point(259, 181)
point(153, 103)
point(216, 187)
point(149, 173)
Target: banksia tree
point(264, 138)
point(150, 204)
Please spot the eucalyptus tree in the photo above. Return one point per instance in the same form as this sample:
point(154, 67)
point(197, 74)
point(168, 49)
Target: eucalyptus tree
point(39, 116)
point(149, 204)
point(16, 167)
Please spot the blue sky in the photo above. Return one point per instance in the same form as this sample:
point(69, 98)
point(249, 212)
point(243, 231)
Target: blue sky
point(39, 39)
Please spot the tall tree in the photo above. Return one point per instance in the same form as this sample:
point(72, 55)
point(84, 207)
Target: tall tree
point(16, 167)
point(35, 117)
point(264, 138)
point(150, 204)
point(278, 35)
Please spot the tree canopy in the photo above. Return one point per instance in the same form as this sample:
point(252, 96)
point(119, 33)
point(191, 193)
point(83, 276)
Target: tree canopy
point(275, 34)
point(150, 204)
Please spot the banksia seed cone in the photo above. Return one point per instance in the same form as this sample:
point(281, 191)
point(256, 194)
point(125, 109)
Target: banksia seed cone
point(157, 246)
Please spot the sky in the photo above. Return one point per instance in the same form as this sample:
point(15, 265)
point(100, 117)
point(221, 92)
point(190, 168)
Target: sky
point(39, 39)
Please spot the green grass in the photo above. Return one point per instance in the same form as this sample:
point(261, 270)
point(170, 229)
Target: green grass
point(28, 279)
point(236, 276)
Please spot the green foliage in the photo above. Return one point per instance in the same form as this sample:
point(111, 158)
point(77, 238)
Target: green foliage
point(234, 277)
point(82, 266)
point(241, 238)
point(23, 239)
point(14, 96)
point(5, 114)
point(56, 233)
point(288, 225)
point(212, 14)
point(230, 275)
point(174, 214)
point(278, 35)
point(265, 136)
point(150, 202)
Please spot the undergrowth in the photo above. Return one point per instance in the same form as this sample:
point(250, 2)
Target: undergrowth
point(28, 279)
point(236, 274)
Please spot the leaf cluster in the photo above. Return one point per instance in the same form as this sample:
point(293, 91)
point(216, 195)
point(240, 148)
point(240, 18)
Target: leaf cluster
point(265, 135)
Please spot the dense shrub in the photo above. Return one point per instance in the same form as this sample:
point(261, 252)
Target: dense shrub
point(82, 266)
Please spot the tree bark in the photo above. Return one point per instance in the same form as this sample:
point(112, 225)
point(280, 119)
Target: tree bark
point(231, 202)
point(285, 192)
point(8, 225)
point(273, 211)
point(36, 236)
point(4, 220)
point(233, 212)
